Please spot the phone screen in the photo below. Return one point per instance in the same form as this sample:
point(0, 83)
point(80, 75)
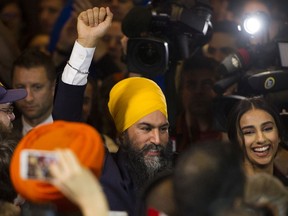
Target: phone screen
point(35, 164)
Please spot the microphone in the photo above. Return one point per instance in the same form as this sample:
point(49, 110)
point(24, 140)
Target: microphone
point(233, 63)
point(137, 21)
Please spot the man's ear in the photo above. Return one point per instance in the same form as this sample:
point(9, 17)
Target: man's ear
point(121, 137)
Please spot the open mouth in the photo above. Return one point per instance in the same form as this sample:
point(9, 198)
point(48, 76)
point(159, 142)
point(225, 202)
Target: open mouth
point(153, 152)
point(262, 151)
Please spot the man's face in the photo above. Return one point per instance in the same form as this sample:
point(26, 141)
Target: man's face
point(147, 141)
point(37, 106)
point(197, 91)
point(49, 12)
point(112, 40)
point(220, 46)
point(6, 117)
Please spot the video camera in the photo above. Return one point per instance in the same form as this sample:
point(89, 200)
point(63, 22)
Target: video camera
point(257, 69)
point(163, 32)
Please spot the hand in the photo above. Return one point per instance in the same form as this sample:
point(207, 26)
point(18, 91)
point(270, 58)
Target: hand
point(92, 24)
point(78, 184)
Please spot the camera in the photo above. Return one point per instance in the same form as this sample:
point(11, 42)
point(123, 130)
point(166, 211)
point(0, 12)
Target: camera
point(259, 69)
point(163, 32)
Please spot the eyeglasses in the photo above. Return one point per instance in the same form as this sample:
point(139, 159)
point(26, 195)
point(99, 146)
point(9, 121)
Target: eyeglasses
point(8, 110)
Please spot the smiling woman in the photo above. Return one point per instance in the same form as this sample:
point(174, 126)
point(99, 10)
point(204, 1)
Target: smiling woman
point(255, 125)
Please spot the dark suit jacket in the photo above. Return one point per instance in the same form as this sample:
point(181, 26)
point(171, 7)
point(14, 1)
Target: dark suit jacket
point(117, 184)
point(68, 102)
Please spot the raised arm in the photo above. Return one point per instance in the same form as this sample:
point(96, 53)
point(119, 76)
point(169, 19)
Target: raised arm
point(92, 24)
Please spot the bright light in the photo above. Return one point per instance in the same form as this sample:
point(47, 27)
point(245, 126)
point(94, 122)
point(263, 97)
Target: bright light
point(255, 23)
point(252, 25)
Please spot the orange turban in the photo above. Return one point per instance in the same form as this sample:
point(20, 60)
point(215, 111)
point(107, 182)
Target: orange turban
point(81, 138)
point(133, 98)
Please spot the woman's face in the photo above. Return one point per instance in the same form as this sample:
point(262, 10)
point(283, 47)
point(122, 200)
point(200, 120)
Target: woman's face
point(260, 135)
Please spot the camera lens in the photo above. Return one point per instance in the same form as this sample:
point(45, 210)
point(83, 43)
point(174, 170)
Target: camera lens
point(148, 54)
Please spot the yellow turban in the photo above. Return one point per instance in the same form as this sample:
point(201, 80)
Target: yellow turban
point(133, 98)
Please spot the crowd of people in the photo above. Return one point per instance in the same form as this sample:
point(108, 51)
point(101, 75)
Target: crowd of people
point(117, 148)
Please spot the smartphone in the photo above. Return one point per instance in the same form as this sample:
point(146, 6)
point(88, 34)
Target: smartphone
point(34, 164)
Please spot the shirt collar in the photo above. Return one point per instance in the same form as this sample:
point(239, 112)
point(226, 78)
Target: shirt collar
point(27, 127)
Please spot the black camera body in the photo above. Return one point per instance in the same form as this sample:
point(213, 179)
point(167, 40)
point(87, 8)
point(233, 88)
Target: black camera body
point(164, 32)
point(258, 70)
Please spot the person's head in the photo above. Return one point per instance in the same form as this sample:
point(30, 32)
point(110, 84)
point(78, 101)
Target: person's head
point(198, 76)
point(34, 71)
point(119, 8)
point(85, 142)
point(40, 41)
point(223, 41)
point(207, 178)
point(265, 190)
point(158, 195)
point(7, 97)
point(220, 10)
point(112, 40)
point(255, 126)
point(48, 14)
point(138, 107)
point(12, 16)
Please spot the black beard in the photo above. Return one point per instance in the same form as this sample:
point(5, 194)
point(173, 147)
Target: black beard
point(143, 171)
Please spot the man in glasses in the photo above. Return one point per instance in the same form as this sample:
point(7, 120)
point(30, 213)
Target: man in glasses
point(7, 97)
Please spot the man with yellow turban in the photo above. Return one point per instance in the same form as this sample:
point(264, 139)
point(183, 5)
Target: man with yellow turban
point(139, 110)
